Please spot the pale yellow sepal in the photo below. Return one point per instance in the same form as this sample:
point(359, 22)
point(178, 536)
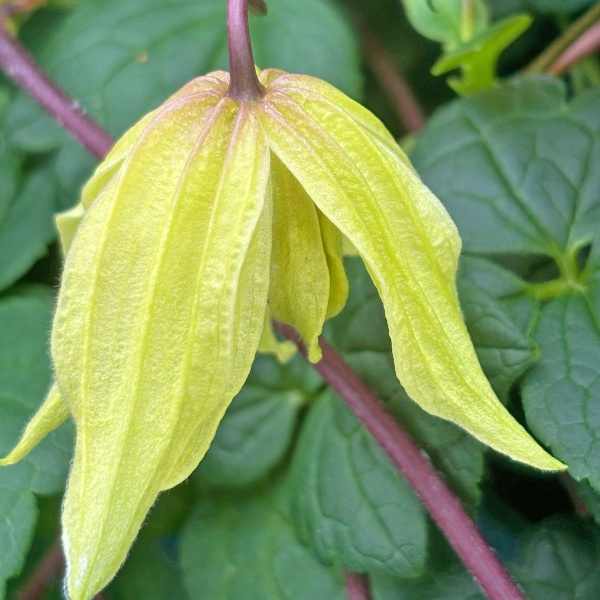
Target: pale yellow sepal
point(410, 247)
point(333, 244)
point(299, 291)
point(269, 344)
point(159, 317)
point(51, 414)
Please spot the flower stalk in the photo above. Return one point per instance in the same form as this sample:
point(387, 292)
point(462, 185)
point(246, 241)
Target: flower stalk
point(244, 84)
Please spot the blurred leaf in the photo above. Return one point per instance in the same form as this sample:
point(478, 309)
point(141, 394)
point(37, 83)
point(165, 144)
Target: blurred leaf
point(590, 498)
point(349, 501)
point(24, 379)
point(149, 573)
point(258, 427)
point(245, 549)
point(27, 226)
point(559, 559)
point(495, 162)
point(446, 21)
point(501, 8)
point(122, 58)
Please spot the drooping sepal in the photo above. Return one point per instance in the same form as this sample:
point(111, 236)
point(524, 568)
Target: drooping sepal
point(168, 267)
point(299, 293)
point(410, 247)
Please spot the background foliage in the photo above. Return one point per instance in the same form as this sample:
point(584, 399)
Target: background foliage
point(293, 489)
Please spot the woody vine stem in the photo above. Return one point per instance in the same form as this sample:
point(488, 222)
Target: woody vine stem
point(437, 497)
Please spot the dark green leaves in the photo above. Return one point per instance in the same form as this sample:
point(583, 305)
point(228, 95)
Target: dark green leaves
point(245, 548)
point(26, 206)
point(24, 379)
point(562, 392)
point(513, 167)
point(345, 486)
point(259, 426)
point(560, 560)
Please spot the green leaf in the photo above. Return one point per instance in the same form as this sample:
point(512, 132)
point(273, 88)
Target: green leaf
point(27, 226)
point(349, 502)
point(503, 285)
point(562, 391)
point(445, 578)
point(504, 350)
point(501, 8)
point(559, 559)
point(246, 548)
point(26, 206)
point(495, 162)
point(149, 573)
point(24, 379)
point(107, 51)
point(258, 427)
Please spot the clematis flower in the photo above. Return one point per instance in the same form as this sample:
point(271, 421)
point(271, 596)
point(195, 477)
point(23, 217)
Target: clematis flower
point(224, 207)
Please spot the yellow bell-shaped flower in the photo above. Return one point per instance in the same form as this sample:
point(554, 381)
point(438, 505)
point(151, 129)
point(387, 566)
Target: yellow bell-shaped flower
point(205, 213)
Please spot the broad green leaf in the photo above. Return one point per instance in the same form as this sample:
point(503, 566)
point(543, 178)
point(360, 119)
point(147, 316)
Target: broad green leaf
point(504, 350)
point(445, 578)
point(561, 394)
point(26, 206)
point(559, 559)
point(143, 50)
point(258, 428)
point(246, 548)
point(26, 227)
point(24, 380)
point(495, 162)
point(349, 502)
point(503, 285)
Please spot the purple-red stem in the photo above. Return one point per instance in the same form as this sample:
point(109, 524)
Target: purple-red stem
point(50, 567)
point(18, 64)
point(244, 84)
point(357, 586)
point(404, 102)
point(585, 45)
point(442, 504)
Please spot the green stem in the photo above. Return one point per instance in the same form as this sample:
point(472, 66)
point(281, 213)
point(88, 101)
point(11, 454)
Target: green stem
point(566, 39)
